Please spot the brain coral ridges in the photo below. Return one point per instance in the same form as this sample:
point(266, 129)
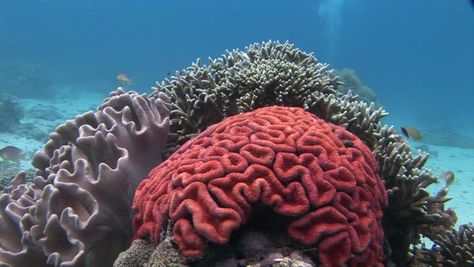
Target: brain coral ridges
point(319, 174)
point(77, 211)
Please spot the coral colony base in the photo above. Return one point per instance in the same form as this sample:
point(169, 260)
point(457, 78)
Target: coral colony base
point(260, 158)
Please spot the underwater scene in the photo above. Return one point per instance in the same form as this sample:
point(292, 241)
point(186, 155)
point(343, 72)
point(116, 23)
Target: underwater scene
point(236, 133)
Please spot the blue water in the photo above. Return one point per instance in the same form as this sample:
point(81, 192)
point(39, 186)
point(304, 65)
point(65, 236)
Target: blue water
point(418, 56)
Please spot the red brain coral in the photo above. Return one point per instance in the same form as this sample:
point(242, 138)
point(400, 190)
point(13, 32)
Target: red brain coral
point(284, 158)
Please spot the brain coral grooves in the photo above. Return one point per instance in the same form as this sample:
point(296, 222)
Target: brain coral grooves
point(320, 175)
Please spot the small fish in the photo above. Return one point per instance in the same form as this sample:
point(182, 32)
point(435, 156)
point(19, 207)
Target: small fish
point(123, 78)
point(11, 153)
point(411, 132)
point(448, 176)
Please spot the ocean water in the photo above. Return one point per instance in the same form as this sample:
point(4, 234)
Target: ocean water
point(416, 56)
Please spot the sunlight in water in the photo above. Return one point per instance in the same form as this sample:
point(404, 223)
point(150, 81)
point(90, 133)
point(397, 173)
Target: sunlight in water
point(331, 11)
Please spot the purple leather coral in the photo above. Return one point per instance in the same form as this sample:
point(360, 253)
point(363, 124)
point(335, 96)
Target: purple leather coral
point(76, 212)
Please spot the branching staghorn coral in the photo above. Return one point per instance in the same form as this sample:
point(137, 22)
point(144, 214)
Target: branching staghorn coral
point(77, 210)
point(264, 74)
point(272, 73)
point(408, 215)
point(457, 246)
point(451, 248)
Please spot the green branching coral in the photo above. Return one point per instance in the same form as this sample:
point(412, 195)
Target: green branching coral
point(273, 73)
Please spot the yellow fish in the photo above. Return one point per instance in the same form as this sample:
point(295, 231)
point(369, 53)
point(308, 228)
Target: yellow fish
point(123, 78)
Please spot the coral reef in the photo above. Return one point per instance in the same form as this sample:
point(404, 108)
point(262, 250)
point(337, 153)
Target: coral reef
point(451, 248)
point(10, 112)
point(146, 253)
point(286, 159)
point(77, 210)
point(409, 200)
point(195, 106)
point(352, 82)
point(265, 74)
point(457, 246)
point(25, 81)
point(199, 99)
point(447, 218)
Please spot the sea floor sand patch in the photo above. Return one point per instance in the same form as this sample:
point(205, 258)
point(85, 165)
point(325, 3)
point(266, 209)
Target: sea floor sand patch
point(461, 162)
point(41, 117)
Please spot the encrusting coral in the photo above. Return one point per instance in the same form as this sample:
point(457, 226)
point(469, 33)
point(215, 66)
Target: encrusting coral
point(137, 255)
point(285, 159)
point(77, 210)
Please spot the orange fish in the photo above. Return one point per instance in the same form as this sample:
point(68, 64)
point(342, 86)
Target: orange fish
point(11, 153)
point(411, 132)
point(448, 176)
point(123, 78)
